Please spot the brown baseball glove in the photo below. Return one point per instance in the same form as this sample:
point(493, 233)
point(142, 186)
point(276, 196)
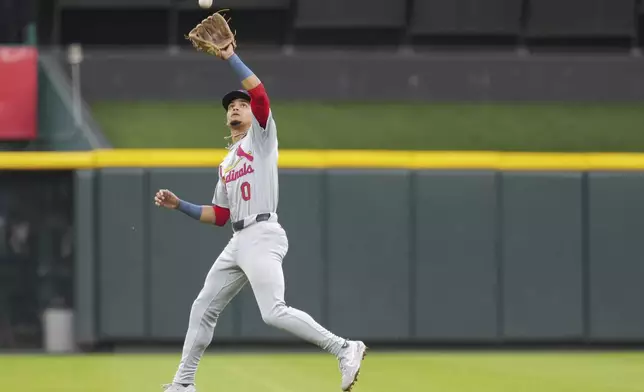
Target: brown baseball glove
point(212, 35)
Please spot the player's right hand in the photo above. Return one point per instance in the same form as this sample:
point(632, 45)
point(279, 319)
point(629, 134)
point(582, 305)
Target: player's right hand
point(167, 199)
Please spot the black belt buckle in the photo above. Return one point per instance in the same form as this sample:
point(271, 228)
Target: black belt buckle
point(263, 217)
point(239, 225)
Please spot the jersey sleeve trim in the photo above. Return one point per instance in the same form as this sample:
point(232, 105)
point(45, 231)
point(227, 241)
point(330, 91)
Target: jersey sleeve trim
point(221, 215)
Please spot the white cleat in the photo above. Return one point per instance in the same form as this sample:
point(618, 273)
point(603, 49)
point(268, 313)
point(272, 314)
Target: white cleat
point(350, 362)
point(178, 388)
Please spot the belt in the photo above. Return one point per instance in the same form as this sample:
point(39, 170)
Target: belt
point(240, 224)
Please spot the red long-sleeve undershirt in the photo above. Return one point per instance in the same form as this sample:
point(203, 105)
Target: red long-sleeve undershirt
point(259, 104)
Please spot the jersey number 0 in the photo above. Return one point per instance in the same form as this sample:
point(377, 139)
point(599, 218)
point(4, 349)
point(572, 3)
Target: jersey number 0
point(245, 191)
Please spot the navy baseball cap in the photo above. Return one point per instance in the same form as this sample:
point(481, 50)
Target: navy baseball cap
point(235, 94)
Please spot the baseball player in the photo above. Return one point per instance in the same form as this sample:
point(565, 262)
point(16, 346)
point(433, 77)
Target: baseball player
point(247, 194)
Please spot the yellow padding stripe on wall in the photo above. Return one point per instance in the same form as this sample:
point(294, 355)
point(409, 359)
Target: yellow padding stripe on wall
point(46, 160)
point(321, 159)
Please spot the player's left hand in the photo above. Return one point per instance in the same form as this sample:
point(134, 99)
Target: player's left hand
point(227, 53)
point(213, 36)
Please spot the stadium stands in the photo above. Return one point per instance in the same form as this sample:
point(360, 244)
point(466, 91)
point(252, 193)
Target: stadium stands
point(466, 17)
point(581, 18)
point(592, 22)
point(351, 13)
point(600, 23)
point(491, 21)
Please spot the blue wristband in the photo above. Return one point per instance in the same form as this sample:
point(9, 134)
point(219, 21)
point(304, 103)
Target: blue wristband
point(190, 209)
point(240, 68)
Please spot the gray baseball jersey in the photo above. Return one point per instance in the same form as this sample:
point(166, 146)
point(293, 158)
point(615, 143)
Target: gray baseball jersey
point(248, 177)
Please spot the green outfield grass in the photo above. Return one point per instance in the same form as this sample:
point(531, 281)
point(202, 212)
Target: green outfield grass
point(503, 127)
point(409, 372)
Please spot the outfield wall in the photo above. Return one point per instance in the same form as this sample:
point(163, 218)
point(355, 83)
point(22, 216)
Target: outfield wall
point(455, 247)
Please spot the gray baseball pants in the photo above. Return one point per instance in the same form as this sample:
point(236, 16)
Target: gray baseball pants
point(253, 255)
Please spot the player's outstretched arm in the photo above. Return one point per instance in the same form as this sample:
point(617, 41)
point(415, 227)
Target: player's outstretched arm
point(213, 215)
point(259, 102)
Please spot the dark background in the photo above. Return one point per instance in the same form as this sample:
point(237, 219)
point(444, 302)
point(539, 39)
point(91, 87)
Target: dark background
point(594, 24)
point(36, 252)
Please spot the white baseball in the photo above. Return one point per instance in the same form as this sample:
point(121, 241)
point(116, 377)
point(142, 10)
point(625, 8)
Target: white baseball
point(205, 3)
